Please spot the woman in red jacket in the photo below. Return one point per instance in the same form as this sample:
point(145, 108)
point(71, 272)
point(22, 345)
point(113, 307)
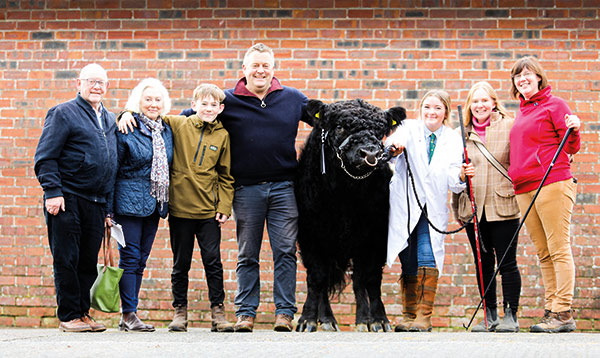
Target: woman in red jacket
point(538, 129)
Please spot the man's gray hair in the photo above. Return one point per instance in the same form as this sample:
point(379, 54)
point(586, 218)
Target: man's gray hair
point(92, 67)
point(259, 47)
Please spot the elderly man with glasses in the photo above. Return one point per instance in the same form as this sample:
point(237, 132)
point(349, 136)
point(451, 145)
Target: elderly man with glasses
point(76, 163)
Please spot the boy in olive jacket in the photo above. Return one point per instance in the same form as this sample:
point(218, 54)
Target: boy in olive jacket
point(200, 198)
point(201, 194)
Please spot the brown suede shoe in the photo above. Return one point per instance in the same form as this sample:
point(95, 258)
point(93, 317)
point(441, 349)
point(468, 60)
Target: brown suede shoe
point(74, 325)
point(244, 324)
point(95, 326)
point(558, 322)
point(283, 323)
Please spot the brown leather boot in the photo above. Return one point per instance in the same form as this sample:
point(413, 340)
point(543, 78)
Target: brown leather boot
point(179, 323)
point(410, 292)
point(558, 322)
point(244, 324)
point(219, 321)
point(428, 280)
point(547, 315)
point(130, 322)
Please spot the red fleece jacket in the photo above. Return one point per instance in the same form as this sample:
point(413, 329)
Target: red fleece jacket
point(534, 138)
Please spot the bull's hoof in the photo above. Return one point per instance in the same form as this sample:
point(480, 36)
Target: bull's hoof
point(306, 326)
point(376, 327)
point(362, 327)
point(329, 327)
point(381, 327)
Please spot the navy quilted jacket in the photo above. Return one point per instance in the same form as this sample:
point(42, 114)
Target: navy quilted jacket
point(132, 188)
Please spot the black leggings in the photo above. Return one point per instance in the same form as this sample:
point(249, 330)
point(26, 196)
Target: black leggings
point(496, 236)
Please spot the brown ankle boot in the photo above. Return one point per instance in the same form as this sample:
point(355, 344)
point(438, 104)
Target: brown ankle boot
point(410, 292)
point(219, 321)
point(558, 322)
point(428, 280)
point(179, 323)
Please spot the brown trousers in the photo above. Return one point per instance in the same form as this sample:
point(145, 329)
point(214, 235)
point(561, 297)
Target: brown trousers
point(548, 225)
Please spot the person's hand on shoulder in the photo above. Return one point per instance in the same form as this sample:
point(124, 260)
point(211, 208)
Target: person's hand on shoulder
point(125, 121)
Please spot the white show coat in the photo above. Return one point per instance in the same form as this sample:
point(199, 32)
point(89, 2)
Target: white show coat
point(432, 181)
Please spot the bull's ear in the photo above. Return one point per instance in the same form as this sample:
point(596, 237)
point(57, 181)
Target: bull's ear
point(313, 112)
point(395, 115)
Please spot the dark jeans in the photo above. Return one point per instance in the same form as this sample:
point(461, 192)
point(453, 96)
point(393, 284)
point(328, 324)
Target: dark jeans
point(496, 236)
point(139, 233)
point(208, 234)
point(275, 203)
point(75, 236)
point(419, 252)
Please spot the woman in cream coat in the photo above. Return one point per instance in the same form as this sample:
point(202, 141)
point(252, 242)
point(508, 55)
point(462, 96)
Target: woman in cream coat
point(420, 248)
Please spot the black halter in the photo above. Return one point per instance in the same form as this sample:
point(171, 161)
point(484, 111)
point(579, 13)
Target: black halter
point(339, 151)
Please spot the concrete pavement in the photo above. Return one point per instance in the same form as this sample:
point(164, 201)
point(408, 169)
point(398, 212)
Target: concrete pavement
point(198, 342)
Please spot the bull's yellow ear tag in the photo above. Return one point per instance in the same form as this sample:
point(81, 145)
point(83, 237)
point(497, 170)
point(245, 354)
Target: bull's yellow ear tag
point(317, 115)
point(394, 122)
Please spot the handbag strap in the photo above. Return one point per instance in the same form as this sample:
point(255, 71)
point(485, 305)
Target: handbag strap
point(106, 251)
point(493, 161)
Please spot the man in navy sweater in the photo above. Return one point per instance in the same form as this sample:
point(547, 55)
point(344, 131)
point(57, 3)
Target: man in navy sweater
point(76, 164)
point(262, 119)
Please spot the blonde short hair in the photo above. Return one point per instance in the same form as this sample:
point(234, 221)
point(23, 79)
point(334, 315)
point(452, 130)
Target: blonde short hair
point(442, 96)
point(133, 103)
point(208, 89)
point(532, 64)
point(468, 115)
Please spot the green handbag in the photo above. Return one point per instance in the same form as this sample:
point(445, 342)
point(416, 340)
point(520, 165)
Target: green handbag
point(105, 291)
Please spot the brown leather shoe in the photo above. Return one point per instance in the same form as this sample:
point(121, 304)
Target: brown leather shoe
point(244, 324)
point(283, 323)
point(95, 326)
point(74, 325)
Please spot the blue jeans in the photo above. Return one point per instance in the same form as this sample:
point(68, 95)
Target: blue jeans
point(139, 233)
point(275, 203)
point(419, 252)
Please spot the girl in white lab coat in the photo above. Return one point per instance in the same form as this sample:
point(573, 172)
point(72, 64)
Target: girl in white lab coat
point(434, 152)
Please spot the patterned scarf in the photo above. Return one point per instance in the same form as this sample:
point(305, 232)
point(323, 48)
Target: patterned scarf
point(159, 176)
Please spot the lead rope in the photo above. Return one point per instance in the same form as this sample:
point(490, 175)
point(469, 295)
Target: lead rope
point(412, 180)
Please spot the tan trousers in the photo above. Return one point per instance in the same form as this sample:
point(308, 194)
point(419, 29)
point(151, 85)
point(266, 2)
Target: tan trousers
point(548, 225)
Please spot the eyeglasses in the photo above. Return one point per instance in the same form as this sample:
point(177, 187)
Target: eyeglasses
point(92, 82)
point(523, 74)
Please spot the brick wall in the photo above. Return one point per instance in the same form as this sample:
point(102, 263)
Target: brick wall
point(387, 52)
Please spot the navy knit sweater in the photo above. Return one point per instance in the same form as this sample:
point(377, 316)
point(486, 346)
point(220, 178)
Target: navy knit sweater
point(263, 133)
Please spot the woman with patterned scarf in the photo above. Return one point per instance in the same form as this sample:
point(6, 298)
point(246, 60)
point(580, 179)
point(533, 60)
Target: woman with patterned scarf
point(141, 190)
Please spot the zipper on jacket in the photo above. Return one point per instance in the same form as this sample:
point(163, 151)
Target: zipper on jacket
point(199, 143)
point(214, 197)
point(202, 156)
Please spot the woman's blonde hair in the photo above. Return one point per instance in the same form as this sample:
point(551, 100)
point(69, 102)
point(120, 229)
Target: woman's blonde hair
point(133, 103)
point(468, 115)
point(532, 64)
point(442, 96)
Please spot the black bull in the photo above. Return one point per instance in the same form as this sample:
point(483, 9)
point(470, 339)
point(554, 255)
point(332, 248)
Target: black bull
point(342, 189)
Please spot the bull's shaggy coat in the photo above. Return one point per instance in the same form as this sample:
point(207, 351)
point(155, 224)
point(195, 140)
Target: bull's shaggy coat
point(343, 219)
